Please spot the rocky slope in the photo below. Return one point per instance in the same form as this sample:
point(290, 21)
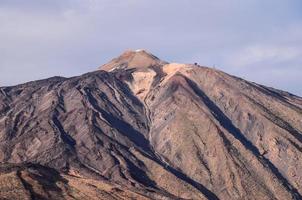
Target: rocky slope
point(142, 128)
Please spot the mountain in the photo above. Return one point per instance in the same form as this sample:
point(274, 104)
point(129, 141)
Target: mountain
point(143, 128)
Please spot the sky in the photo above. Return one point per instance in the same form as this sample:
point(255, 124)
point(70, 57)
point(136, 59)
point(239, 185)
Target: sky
point(257, 40)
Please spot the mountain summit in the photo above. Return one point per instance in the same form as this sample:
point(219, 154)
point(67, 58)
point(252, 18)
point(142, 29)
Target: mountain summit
point(133, 59)
point(142, 128)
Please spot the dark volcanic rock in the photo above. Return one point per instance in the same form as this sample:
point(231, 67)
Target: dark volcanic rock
point(146, 129)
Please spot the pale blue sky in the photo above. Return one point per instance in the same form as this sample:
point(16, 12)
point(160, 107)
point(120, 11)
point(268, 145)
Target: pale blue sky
point(258, 40)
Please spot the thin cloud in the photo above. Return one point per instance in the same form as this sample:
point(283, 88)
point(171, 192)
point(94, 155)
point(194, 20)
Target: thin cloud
point(259, 54)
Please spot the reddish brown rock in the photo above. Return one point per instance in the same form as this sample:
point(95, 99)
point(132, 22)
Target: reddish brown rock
point(145, 129)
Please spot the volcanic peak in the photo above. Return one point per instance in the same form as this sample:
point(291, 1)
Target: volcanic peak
point(133, 59)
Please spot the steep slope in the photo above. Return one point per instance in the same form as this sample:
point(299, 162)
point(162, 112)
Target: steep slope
point(91, 125)
point(154, 130)
point(235, 146)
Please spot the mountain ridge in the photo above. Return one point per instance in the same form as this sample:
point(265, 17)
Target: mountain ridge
point(161, 130)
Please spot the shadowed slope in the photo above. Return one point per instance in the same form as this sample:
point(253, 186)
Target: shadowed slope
point(146, 129)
